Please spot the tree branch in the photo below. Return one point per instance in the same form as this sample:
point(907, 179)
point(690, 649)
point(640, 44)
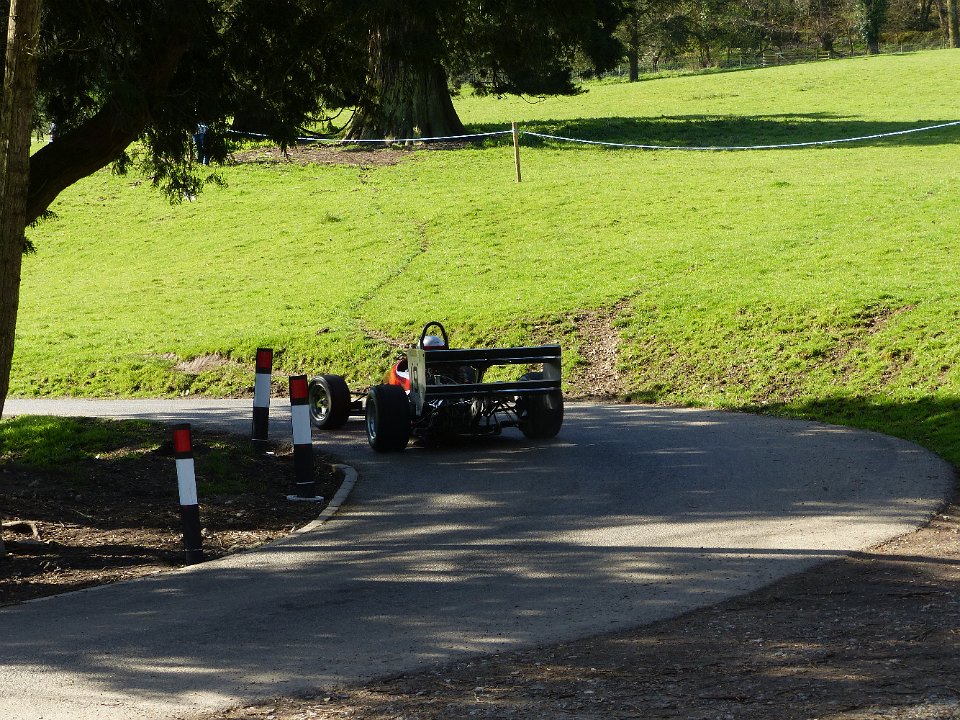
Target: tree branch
point(101, 139)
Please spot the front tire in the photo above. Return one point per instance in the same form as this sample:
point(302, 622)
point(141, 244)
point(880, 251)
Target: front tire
point(541, 416)
point(388, 418)
point(329, 399)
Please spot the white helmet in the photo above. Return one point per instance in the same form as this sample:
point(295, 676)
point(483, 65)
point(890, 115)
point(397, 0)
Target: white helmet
point(433, 341)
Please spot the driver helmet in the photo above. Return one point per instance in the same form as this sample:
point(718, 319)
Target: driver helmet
point(433, 342)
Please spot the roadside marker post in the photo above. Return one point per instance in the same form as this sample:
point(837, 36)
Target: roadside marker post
point(261, 395)
point(187, 484)
point(302, 441)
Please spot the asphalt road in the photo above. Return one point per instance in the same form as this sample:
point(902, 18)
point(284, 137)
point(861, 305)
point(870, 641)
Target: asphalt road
point(631, 515)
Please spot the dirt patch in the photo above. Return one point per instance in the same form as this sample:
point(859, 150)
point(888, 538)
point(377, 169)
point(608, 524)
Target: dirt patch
point(875, 635)
point(872, 321)
point(123, 520)
point(324, 155)
point(201, 364)
point(599, 342)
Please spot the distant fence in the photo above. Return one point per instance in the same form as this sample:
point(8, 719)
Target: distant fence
point(736, 58)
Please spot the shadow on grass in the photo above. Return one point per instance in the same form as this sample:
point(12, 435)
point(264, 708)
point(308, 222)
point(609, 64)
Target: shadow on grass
point(730, 131)
point(933, 422)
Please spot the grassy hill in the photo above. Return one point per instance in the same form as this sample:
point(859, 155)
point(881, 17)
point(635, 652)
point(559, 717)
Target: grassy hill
point(818, 281)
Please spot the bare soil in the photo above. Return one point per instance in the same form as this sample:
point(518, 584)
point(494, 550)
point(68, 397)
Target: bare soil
point(324, 155)
point(122, 520)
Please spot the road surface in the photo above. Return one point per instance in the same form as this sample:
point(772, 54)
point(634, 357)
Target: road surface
point(631, 515)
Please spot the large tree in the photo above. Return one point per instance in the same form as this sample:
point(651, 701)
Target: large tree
point(417, 47)
point(113, 72)
point(953, 24)
point(657, 28)
point(142, 74)
point(872, 16)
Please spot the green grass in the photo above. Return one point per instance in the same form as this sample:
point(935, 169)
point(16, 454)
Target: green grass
point(79, 449)
point(820, 282)
point(64, 444)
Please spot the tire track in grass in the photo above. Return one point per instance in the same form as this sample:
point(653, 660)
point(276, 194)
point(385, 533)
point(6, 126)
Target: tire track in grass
point(355, 314)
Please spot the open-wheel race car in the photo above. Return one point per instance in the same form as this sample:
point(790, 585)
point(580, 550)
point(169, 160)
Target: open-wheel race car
point(434, 391)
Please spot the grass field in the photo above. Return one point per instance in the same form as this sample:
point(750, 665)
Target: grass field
point(820, 282)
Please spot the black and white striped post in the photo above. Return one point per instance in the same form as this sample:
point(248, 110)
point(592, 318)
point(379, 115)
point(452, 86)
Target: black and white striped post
point(187, 483)
point(302, 440)
point(261, 395)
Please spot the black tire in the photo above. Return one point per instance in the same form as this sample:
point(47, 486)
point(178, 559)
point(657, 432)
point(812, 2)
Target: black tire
point(329, 399)
point(541, 416)
point(388, 418)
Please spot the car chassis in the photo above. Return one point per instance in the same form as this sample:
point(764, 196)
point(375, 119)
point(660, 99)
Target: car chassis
point(434, 392)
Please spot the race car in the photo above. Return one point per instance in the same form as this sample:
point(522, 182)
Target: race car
point(434, 391)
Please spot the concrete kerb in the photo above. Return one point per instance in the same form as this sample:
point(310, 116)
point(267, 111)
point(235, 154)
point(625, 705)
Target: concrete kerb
point(350, 477)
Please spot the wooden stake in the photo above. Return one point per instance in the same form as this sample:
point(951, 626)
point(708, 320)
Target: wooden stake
point(516, 149)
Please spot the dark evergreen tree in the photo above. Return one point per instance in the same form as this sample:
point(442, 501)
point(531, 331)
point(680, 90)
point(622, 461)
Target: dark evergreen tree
point(873, 15)
point(417, 47)
point(111, 73)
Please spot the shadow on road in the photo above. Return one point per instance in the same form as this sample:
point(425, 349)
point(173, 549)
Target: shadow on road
point(632, 515)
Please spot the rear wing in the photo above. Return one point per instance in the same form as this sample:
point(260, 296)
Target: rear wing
point(420, 361)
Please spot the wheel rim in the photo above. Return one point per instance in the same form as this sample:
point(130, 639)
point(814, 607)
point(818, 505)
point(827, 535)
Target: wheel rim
point(320, 407)
point(371, 420)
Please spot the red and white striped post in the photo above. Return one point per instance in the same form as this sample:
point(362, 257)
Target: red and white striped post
point(302, 440)
point(187, 483)
point(261, 395)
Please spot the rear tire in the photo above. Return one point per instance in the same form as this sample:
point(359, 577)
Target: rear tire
point(541, 416)
point(388, 418)
point(329, 399)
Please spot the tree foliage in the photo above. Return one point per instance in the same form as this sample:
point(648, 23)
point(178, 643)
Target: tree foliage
point(417, 48)
point(115, 71)
point(872, 15)
point(116, 74)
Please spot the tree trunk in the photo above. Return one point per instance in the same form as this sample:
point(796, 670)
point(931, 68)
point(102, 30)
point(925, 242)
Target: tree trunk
point(29, 184)
point(407, 91)
point(874, 14)
point(954, 23)
point(16, 117)
point(633, 49)
point(944, 22)
point(826, 42)
point(706, 59)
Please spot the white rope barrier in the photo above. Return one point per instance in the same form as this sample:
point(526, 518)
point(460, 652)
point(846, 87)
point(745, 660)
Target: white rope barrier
point(581, 141)
point(716, 148)
point(440, 138)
